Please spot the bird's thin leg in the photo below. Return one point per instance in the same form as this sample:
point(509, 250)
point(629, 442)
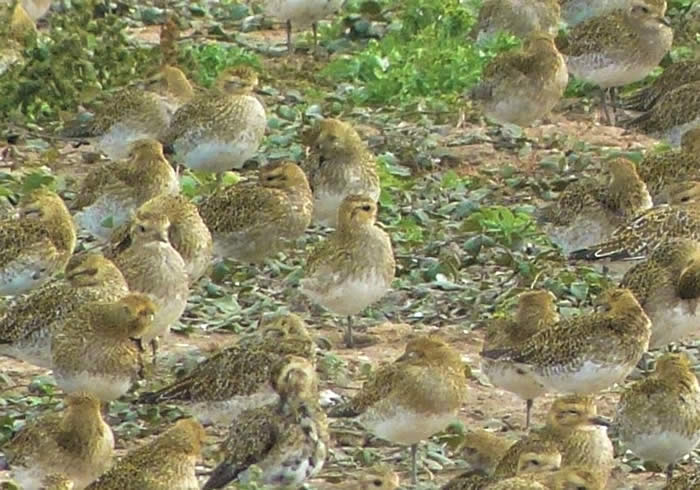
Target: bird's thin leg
point(603, 100)
point(528, 410)
point(669, 472)
point(613, 103)
point(349, 342)
point(314, 28)
point(414, 468)
point(154, 349)
point(290, 48)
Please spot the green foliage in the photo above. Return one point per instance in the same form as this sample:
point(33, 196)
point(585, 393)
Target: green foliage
point(15, 184)
point(506, 226)
point(205, 61)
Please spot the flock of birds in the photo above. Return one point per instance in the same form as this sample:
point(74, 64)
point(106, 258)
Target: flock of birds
point(92, 326)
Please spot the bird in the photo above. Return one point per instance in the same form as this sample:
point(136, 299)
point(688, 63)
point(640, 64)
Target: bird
point(254, 220)
point(674, 113)
point(27, 323)
point(521, 86)
point(575, 429)
point(22, 23)
point(21, 29)
point(377, 477)
point(109, 194)
point(56, 481)
point(673, 76)
point(588, 211)
point(287, 440)
point(301, 14)
point(619, 48)
point(658, 417)
point(412, 398)
point(98, 348)
point(188, 234)
point(76, 442)
point(219, 388)
point(36, 246)
point(167, 462)
point(586, 353)
point(221, 129)
point(639, 237)
point(568, 478)
point(172, 86)
point(667, 286)
point(574, 12)
point(152, 266)
point(482, 449)
point(35, 9)
point(659, 170)
point(536, 310)
point(354, 266)
point(518, 17)
point(339, 164)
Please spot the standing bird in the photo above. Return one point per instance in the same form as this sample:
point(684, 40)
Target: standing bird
point(339, 164)
point(355, 266)
point(165, 463)
point(536, 311)
point(153, 267)
point(673, 77)
point(619, 48)
point(76, 442)
point(301, 14)
point(37, 245)
point(659, 417)
point(521, 18)
point(519, 87)
point(288, 440)
point(109, 194)
point(412, 398)
point(219, 130)
point(27, 324)
point(586, 353)
point(251, 221)
point(97, 350)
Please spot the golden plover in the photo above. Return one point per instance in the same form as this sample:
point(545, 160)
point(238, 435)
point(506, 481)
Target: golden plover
point(35, 9)
point(586, 353)
point(339, 164)
point(251, 221)
point(673, 77)
point(619, 48)
point(519, 87)
point(76, 442)
point(587, 212)
point(354, 266)
point(37, 245)
point(26, 324)
point(412, 398)
point(98, 349)
point(519, 17)
point(21, 22)
point(188, 234)
point(659, 417)
point(378, 477)
point(173, 86)
point(167, 462)
point(152, 266)
point(667, 285)
point(110, 193)
point(536, 310)
point(576, 11)
point(220, 130)
point(287, 440)
point(482, 449)
point(301, 14)
point(236, 379)
point(568, 478)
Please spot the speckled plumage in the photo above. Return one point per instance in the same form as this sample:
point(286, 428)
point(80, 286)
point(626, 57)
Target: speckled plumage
point(658, 418)
point(56, 481)
point(519, 87)
point(166, 463)
point(37, 245)
point(288, 440)
point(483, 449)
point(587, 212)
point(218, 389)
point(519, 17)
point(109, 193)
point(76, 442)
point(188, 234)
point(412, 398)
point(585, 353)
point(339, 164)
point(569, 478)
point(253, 220)
point(97, 348)
point(673, 77)
point(576, 11)
point(378, 477)
point(219, 130)
point(26, 324)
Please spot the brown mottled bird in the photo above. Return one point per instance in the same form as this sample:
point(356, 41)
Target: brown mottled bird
point(519, 17)
point(37, 245)
point(97, 349)
point(412, 398)
point(76, 442)
point(482, 449)
point(27, 323)
point(288, 440)
point(585, 353)
point(339, 164)
point(673, 77)
point(218, 389)
point(519, 87)
point(165, 463)
point(567, 478)
point(253, 220)
point(536, 310)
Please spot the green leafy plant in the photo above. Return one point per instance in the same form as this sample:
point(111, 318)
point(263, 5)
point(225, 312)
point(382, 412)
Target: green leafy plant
point(504, 225)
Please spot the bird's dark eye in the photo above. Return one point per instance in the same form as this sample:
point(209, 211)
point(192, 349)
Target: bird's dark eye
point(141, 229)
point(367, 208)
point(377, 483)
point(536, 463)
